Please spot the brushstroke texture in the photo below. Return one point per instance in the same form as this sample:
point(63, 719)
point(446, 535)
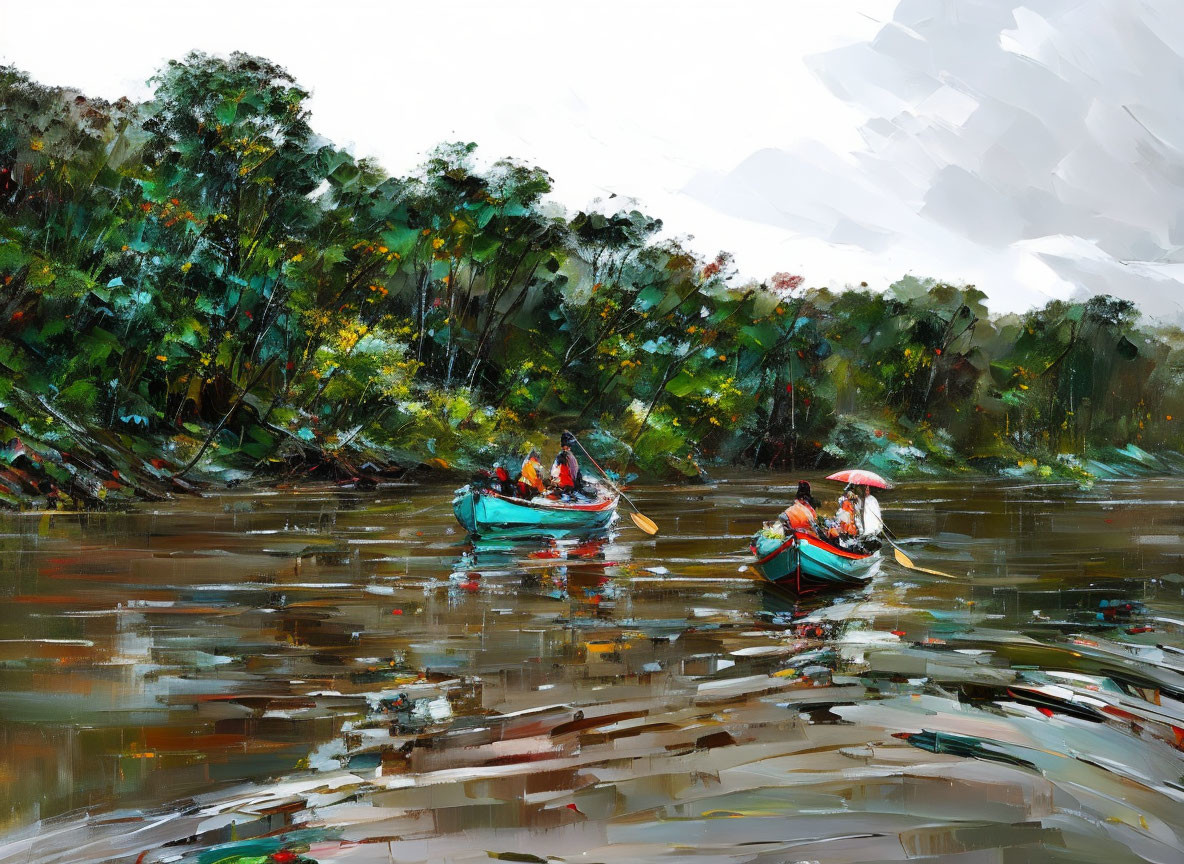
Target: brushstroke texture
point(1033, 146)
point(342, 678)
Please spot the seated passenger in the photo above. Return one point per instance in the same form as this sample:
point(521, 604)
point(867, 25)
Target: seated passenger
point(844, 529)
point(530, 480)
point(501, 481)
point(801, 515)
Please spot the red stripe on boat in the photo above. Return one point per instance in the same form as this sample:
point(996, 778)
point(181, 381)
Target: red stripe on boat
point(817, 541)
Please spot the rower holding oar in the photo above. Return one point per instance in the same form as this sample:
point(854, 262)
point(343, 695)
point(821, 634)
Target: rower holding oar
point(799, 554)
point(871, 520)
point(566, 476)
point(871, 523)
point(645, 523)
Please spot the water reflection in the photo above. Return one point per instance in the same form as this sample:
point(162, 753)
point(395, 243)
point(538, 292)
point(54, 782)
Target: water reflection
point(546, 567)
point(182, 649)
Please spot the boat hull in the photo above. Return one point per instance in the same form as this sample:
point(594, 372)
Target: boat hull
point(804, 563)
point(483, 512)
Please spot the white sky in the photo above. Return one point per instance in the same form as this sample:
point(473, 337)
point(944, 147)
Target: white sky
point(1003, 143)
point(627, 97)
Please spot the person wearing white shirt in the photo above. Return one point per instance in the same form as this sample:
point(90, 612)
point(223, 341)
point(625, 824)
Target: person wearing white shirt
point(872, 522)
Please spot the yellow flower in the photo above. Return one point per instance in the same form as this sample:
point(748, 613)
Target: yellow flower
point(161, 358)
point(36, 144)
point(299, 256)
point(438, 242)
point(187, 266)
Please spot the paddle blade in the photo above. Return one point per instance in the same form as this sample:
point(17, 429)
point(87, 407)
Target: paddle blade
point(645, 523)
point(934, 573)
point(903, 560)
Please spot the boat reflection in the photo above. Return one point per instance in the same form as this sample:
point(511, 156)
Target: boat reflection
point(559, 569)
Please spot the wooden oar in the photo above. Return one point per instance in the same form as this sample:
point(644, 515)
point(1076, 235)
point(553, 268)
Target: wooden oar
point(906, 562)
point(645, 523)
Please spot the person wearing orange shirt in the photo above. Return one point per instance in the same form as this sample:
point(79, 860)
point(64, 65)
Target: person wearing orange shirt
point(801, 515)
point(844, 529)
point(530, 481)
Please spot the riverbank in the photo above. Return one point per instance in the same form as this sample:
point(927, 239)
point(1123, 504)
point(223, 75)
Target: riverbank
point(76, 466)
point(199, 290)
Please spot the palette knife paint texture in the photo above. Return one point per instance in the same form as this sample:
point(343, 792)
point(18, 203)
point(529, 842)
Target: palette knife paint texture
point(280, 586)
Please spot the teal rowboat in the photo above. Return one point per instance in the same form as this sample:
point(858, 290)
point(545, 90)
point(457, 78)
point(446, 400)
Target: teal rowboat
point(483, 512)
point(804, 563)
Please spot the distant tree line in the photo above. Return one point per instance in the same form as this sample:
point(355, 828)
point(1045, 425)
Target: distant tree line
point(201, 286)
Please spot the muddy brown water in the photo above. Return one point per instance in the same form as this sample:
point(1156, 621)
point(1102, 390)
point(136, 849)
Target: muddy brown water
point(169, 655)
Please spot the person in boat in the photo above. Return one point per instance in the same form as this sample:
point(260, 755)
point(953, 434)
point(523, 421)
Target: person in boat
point(530, 480)
point(501, 480)
point(844, 529)
point(802, 514)
point(871, 524)
point(566, 477)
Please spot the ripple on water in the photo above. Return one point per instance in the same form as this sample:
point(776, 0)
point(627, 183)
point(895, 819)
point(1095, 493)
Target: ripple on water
point(349, 666)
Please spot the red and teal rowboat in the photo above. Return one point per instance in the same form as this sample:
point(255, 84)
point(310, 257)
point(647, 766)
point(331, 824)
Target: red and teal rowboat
point(805, 563)
point(483, 512)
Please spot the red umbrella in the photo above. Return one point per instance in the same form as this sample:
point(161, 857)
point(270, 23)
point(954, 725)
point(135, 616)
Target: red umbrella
point(859, 477)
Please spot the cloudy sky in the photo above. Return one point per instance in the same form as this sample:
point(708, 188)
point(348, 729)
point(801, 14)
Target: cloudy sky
point(1034, 150)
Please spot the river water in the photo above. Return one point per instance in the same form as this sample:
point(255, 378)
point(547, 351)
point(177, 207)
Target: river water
point(341, 675)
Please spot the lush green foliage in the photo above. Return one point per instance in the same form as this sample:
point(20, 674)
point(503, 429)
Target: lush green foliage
point(200, 285)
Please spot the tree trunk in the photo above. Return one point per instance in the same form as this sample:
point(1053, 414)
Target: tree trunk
point(225, 419)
